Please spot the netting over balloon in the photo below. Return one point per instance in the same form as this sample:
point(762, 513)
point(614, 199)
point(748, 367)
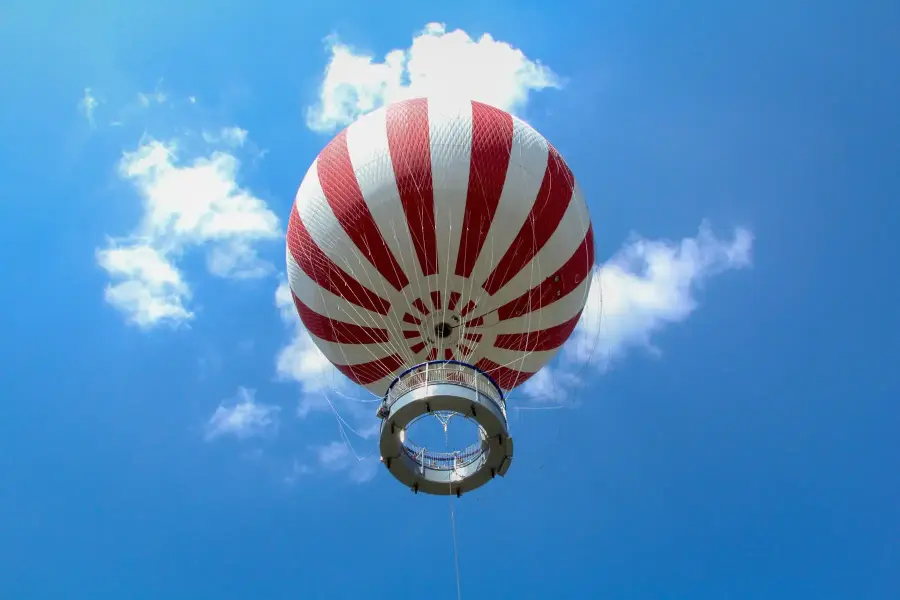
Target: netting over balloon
point(437, 230)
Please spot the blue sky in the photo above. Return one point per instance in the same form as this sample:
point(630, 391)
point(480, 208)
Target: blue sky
point(165, 434)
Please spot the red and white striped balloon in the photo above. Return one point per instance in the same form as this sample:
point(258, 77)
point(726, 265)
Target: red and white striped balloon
point(432, 217)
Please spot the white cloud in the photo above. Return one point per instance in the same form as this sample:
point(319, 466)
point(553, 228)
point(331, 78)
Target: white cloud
point(338, 456)
point(551, 385)
point(88, 104)
point(298, 470)
point(237, 259)
point(645, 286)
point(300, 360)
point(325, 389)
point(148, 98)
point(334, 457)
point(437, 62)
point(187, 203)
point(150, 289)
point(230, 136)
point(243, 418)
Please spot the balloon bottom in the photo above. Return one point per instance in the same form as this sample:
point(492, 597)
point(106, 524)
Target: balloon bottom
point(444, 388)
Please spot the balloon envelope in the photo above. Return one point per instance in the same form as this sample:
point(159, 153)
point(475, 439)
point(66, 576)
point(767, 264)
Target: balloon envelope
point(439, 230)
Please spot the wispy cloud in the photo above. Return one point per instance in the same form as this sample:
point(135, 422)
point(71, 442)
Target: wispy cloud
point(645, 286)
point(189, 201)
point(157, 96)
point(339, 457)
point(322, 387)
point(149, 289)
point(242, 417)
point(110, 106)
point(147, 98)
point(87, 105)
point(332, 458)
point(300, 360)
point(297, 471)
point(231, 136)
point(437, 62)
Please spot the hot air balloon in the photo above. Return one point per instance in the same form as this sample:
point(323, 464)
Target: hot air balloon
point(439, 253)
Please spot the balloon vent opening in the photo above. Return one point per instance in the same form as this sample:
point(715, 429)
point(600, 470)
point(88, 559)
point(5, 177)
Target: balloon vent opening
point(443, 330)
point(447, 398)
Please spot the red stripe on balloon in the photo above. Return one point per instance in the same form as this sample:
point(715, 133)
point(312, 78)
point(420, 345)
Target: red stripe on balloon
point(492, 136)
point(321, 269)
point(467, 308)
point(536, 341)
point(454, 299)
point(557, 285)
point(505, 377)
point(546, 213)
point(476, 322)
point(410, 148)
point(420, 306)
point(408, 318)
point(341, 188)
point(366, 373)
point(417, 348)
point(340, 332)
point(411, 335)
point(436, 300)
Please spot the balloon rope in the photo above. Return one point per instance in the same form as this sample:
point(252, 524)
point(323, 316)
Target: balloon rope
point(455, 549)
point(453, 518)
point(341, 423)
